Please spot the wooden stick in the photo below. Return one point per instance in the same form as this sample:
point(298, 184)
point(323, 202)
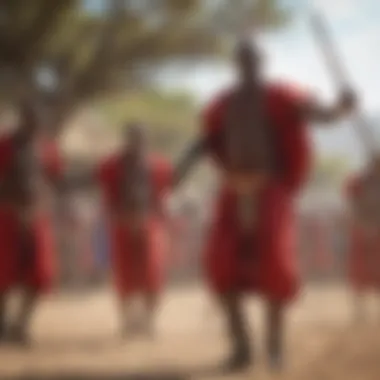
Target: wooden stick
point(340, 76)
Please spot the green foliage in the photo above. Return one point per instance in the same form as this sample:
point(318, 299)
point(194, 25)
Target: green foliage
point(154, 107)
point(90, 55)
point(171, 117)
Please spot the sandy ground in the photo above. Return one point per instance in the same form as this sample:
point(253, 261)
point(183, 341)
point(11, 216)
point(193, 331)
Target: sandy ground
point(75, 338)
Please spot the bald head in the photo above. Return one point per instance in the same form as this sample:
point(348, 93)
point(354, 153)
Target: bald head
point(248, 61)
point(136, 136)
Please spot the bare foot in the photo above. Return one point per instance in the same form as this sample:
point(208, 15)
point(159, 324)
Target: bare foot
point(238, 362)
point(2, 332)
point(129, 331)
point(19, 337)
point(276, 361)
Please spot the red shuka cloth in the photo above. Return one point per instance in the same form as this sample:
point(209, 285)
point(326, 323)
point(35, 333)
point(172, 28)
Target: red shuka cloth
point(41, 273)
point(134, 274)
point(274, 270)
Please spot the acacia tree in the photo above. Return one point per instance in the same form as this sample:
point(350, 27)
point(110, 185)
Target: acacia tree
point(64, 55)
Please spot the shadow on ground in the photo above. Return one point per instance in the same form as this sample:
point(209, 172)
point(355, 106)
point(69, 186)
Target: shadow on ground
point(186, 374)
point(92, 345)
point(121, 376)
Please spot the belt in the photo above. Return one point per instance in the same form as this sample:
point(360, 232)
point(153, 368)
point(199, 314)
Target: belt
point(247, 188)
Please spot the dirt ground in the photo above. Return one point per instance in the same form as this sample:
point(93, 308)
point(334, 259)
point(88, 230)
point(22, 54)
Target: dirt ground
point(76, 338)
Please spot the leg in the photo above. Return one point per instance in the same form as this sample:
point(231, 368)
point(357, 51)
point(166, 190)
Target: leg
point(19, 331)
point(2, 315)
point(207, 313)
point(238, 331)
point(128, 321)
point(27, 261)
point(150, 306)
point(360, 314)
point(275, 334)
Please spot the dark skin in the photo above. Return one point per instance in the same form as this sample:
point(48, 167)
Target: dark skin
point(372, 175)
point(134, 151)
point(369, 220)
point(132, 321)
point(23, 134)
point(137, 140)
point(2, 317)
point(17, 192)
point(248, 64)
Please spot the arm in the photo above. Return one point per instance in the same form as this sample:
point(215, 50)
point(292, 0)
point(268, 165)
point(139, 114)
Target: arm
point(212, 121)
point(84, 179)
point(313, 111)
point(188, 160)
point(61, 184)
point(28, 123)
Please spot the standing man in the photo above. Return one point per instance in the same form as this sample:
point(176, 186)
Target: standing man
point(133, 183)
point(364, 251)
point(29, 172)
point(256, 132)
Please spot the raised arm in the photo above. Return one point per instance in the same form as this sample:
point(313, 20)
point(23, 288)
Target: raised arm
point(28, 122)
point(315, 112)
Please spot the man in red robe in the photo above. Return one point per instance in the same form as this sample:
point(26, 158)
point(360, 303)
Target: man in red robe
point(364, 232)
point(133, 184)
point(29, 168)
point(256, 132)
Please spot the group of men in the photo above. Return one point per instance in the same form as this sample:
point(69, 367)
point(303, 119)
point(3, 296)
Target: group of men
point(255, 132)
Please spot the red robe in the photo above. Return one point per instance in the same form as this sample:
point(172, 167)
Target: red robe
point(364, 249)
point(273, 272)
point(41, 272)
point(130, 274)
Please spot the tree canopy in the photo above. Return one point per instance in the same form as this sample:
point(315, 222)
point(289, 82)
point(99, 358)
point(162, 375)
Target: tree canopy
point(171, 117)
point(65, 53)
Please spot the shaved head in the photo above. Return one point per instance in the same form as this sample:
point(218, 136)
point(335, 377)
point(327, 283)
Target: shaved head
point(136, 136)
point(247, 47)
point(135, 130)
point(248, 59)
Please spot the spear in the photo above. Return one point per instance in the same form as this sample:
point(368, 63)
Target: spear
point(339, 75)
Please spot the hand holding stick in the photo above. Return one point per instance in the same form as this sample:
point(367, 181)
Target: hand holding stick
point(339, 75)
